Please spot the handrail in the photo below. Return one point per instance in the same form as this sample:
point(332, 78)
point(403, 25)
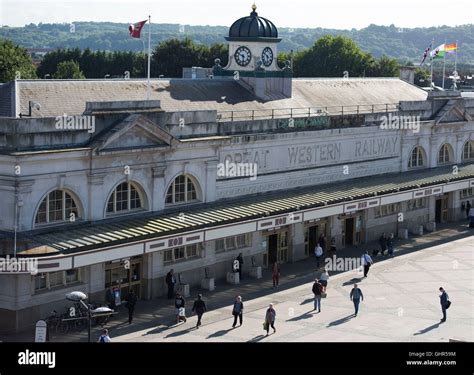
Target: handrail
point(276, 113)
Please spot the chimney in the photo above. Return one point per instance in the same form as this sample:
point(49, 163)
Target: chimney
point(407, 74)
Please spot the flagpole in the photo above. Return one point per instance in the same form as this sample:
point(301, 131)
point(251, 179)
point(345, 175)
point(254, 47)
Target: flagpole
point(431, 65)
point(444, 63)
point(149, 53)
point(455, 74)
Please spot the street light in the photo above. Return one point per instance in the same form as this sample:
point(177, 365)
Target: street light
point(107, 76)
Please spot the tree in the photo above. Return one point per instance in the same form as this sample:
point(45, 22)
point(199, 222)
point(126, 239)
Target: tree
point(68, 70)
point(14, 62)
point(422, 77)
point(331, 57)
point(171, 56)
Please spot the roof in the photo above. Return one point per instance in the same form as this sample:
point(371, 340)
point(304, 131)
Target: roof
point(70, 96)
point(107, 233)
point(252, 27)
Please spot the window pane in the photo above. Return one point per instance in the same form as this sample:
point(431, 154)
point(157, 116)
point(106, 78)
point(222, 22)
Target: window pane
point(229, 243)
point(168, 256)
point(41, 215)
point(72, 276)
point(40, 281)
point(179, 253)
point(56, 206)
point(191, 191)
point(55, 279)
point(191, 251)
point(220, 246)
point(134, 198)
point(179, 189)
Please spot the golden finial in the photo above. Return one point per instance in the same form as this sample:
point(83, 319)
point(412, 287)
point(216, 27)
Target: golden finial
point(254, 7)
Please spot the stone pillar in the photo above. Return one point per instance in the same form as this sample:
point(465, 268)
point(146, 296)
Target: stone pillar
point(96, 194)
point(298, 242)
point(157, 200)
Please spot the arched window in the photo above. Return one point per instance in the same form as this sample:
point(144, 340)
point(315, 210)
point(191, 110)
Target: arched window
point(56, 207)
point(468, 150)
point(125, 197)
point(181, 190)
point(416, 158)
point(443, 154)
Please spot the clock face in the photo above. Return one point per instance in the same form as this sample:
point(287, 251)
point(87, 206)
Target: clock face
point(267, 56)
point(242, 56)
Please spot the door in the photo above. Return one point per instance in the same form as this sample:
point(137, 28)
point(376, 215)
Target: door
point(441, 213)
point(312, 239)
point(438, 210)
point(349, 231)
point(272, 248)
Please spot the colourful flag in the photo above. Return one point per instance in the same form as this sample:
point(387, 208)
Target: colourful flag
point(136, 28)
point(451, 48)
point(425, 55)
point(438, 52)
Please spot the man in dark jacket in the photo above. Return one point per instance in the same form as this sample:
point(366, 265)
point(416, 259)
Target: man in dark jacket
point(131, 299)
point(317, 288)
point(443, 299)
point(170, 281)
point(199, 307)
point(356, 296)
point(383, 243)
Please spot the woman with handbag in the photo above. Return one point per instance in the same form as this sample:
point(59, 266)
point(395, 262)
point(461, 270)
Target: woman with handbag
point(270, 317)
point(238, 310)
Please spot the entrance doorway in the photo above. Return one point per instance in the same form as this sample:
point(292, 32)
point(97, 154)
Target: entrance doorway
point(353, 230)
point(441, 209)
point(277, 248)
point(124, 275)
point(311, 237)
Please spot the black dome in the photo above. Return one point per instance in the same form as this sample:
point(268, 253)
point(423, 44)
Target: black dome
point(253, 26)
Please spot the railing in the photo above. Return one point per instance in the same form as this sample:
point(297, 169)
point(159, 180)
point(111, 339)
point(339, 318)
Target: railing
point(283, 113)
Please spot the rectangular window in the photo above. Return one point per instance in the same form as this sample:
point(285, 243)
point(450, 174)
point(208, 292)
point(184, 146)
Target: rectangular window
point(387, 209)
point(230, 243)
point(56, 279)
point(168, 256)
point(40, 281)
point(467, 193)
point(415, 204)
point(191, 251)
point(179, 253)
point(220, 245)
point(72, 276)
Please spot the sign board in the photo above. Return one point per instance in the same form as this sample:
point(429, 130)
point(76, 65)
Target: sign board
point(40, 331)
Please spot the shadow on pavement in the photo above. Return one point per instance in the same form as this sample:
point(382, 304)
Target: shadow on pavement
point(427, 329)
point(306, 315)
point(341, 321)
point(157, 330)
point(308, 300)
point(258, 338)
point(180, 333)
point(355, 280)
point(222, 332)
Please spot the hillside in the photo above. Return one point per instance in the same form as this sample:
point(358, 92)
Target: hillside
point(403, 44)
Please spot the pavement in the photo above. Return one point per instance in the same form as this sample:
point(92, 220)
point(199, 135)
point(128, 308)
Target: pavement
point(401, 301)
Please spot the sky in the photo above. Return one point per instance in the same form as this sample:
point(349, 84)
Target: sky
point(336, 14)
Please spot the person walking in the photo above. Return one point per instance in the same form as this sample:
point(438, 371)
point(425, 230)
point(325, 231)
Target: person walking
point(199, 307)
point(390, 245)
point(318, 252)
point(468, 208)
point(324, 279)
point(240, 259)
point(170, 281)
point(317, 290)
point(238, 310)
point(179, 303)
point(270, 316)
point(383, 243)
point(131, 299)
point(104, 337)
point(276, 274)
point(445, 303)
point(356, 296)
point(366, 262)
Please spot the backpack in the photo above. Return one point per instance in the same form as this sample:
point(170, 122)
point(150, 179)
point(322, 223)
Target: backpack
point(102, 338)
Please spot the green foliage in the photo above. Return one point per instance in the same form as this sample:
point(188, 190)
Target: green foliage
point(171, 56)
point(340, 56)
point(14, 62)
point(68, 70)
point(402, 44)
point(422, 77)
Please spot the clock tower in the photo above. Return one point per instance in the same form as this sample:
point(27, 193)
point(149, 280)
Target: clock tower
point(253, 50)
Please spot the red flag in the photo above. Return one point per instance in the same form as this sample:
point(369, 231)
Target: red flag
point(136, 28)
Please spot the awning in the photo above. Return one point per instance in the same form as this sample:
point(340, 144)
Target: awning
point(106, 233)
